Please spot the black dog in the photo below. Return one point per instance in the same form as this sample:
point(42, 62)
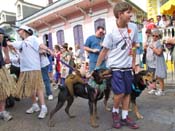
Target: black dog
point(98, 77)
point(80, 90)
point(140, 82)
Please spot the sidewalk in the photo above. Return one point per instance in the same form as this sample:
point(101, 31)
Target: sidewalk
point(159, 111)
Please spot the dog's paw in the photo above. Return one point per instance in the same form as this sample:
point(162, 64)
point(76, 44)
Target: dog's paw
point(97, 117)
point(139, 116)
point(93, 121)
point(94, 125)
point(108, 109)
point(51, 124)
point(72, 116)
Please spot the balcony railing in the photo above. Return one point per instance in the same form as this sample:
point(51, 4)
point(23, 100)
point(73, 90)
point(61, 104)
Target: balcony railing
point(168, 32)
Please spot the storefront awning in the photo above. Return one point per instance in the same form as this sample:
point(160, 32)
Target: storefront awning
point(168, 7)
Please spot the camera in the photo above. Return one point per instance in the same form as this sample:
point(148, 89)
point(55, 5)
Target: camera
point(169, 46)
point(8, 38)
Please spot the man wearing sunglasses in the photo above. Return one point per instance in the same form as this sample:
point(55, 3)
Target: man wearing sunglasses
point(93, 47)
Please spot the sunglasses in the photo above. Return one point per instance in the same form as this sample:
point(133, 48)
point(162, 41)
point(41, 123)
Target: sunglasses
point(155, 36)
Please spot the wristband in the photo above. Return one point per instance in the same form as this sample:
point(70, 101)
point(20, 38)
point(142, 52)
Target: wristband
point(97, 68)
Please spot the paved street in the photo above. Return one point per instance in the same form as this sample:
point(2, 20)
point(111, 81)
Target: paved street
point(158, 112)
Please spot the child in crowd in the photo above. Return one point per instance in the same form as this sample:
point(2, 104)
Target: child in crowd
point(118, 46)
point(58, 65)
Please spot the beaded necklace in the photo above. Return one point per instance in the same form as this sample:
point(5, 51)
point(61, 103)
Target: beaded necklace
point(124, 37)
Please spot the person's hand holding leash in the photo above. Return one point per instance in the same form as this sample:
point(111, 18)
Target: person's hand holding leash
point(97, 68)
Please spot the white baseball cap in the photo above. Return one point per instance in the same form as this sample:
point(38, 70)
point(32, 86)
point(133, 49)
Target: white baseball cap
point(26, 28)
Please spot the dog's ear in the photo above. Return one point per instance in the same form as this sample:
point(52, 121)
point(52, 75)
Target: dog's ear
point(78, 72)
point(94, 73)
point(138, 78)
point(143, 73)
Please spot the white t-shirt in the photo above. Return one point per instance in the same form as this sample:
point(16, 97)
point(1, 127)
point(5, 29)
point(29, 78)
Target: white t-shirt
point(115, 40)
point(29, 54)
point(44, 61)
point(14, 58)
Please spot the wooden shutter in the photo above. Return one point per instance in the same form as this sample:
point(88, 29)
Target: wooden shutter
point(60, 37)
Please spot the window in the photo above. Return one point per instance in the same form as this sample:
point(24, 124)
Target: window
point(78, 38)
point(50, 40)
point(60, 37)
point(3, 18)
point(78, 35)
point(19, 10)
point(99, 22)
point(47, 38)
point(50, 1)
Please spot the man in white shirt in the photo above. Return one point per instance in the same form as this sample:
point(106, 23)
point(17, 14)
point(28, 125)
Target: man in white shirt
point(30, 82)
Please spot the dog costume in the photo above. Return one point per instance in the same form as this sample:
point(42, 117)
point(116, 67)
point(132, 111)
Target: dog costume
point(73, 79)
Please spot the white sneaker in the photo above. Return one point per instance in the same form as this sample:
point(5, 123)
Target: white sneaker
point(50, 97)
point(152, 91)
point(159, 93)
point(6, 116)
point(33, 109)
point(43, 113)
point(37, 98)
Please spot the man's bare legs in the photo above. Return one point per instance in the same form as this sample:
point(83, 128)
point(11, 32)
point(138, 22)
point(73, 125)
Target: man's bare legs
point(3, 113)
point(2, 105)
point(35, 107)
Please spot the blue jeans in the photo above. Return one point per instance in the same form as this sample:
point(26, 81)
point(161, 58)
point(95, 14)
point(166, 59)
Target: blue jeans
point(50, 68)
point(44, 71)
point(57, 76)
point(63, 81)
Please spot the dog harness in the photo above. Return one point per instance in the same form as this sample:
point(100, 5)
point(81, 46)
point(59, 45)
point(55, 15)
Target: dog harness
point(100, 87)
point(136, 89)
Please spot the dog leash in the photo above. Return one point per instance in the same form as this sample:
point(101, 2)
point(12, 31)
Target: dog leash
point(67, 65)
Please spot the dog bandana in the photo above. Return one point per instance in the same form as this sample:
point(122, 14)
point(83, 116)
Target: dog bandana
point(100, 87)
